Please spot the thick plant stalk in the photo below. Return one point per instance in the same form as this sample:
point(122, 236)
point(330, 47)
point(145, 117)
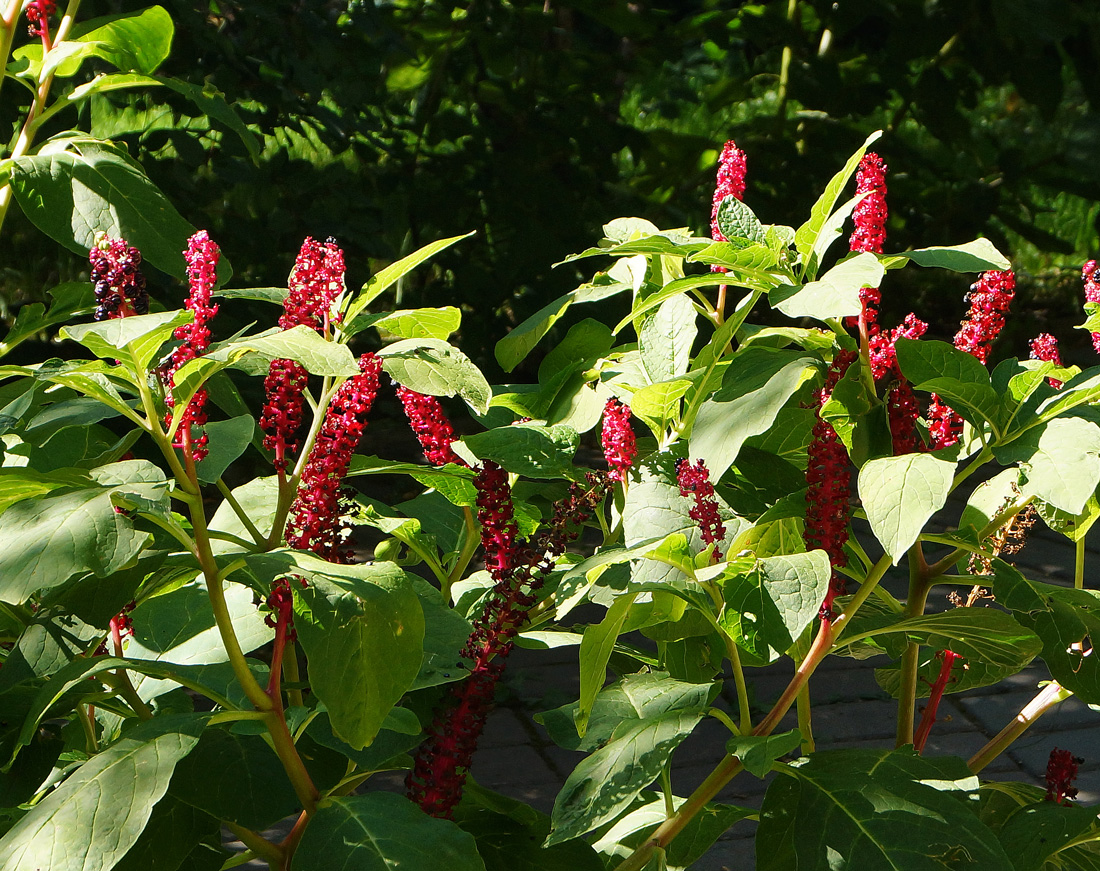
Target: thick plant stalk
point(1047, 698)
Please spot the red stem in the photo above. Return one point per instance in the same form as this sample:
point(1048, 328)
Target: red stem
point(934, 697)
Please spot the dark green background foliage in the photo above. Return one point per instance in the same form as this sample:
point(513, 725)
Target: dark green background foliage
point(390, 124)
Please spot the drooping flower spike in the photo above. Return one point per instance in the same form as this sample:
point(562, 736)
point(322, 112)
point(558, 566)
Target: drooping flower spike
point(118, 280)
point(430, 426)
point(694, 481)
point(620, 446)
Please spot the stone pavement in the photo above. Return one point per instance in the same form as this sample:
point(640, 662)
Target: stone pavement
point(849, 710)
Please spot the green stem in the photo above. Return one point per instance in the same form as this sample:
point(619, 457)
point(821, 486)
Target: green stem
point(246, 521)
point(805, 723)
point(258, 844)
point(89, 728)
point(666, 788)
point(1047, 697)
point(292, 761)
point(914, 606)
point(462, 561)
point(1079, 565)
point(744, 710)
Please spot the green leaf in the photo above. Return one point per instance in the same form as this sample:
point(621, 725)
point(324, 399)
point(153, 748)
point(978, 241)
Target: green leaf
point(135, 339)
point(228, 440)
point(875, 809)
point(1040, 831)
point(19, 483)
point(900, 494)
point(213, 104)
point(768, 607)
point(93, 818)
point(135, 42)
point(74, 194)
point(596, 647)
point(1060, 460)
point(605, 783)
point(300, 343)
point(977, 256)
point(273, 295)
point(365, 639)
point(527, 449)
point(737, 221)
point(980, 634)
point(757, 753)
point(835, 294)
point(665, 338)
point(659, 404)
point(380, 832)
point(175, 833)
point(436, 368)
point(805, 237)
point(390, 275)
point(957, 376)
point(757, 384)
point(421, 323)
point(70, 299)
point(514, 347)
point(45, 541)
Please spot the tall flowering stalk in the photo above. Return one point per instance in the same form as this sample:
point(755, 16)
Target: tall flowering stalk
point(869, 234)
point(620, 446)
point(118, 280)
point(202, 257)
point(430, 426)
point(694, 481)
point(314, 520)
point(315, 281)
point(829, 483)
point(517, 568)
point(1090, 275)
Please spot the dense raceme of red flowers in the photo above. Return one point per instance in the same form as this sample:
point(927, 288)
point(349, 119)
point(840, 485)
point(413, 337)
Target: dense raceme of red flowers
point(1090, 274)
point(1061, 773)
point(118, 280)
point(901, 402)
point(945, 425)
point(989, 297)
point(517, 567)
point(202, 257)
point(694, 481)
point(314, 522)
point(731, 183)
point(1045, 347)
point(869, 215)
point(620, 446)
point(285, 387)
point(430, 426)
point(829, 482)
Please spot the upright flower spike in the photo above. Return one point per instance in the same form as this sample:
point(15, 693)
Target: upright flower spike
point(620, 446)
point(694, 481)
point(1090, 274)
point(118, 280)
point(1045, 347)
point(314, 519)
point(901, 402)
point(870, 213)
point(730, 183)
point(989, 297)
point(829, 484)
point(430, 426)
point(202, 257)
point(1061, 773)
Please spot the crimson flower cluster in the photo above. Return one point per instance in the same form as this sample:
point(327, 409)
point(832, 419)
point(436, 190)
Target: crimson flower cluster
point(119, 283)
point(829, 481)
point(314, 522)
point(1045, 347)
point(1061, 773)
point(901, 402)
point(1090, 274)
point(281, 603)
point(430, 426)
point(989, 297)
point(38, 15)
point(945, 425)
point(694, 481)
point(731, 183)
point(518, 567)
point(870, 212)
point(620, 446)
point(202, 257)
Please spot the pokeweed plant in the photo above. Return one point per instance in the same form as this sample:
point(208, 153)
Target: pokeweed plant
point(182, 654)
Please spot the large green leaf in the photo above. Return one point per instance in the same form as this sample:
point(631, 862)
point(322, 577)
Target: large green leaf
point(900, 494)
point(665, 338)
point(768, 607)
point(528, 449)
point(835, 294)
point(757, 384)
point(436, 368)
point(881, 809)
point(596, 646)
point(365, 640)
point(381, 832)
point(71, 195)
point(977, 256)
point(175, 833)
point(955, 375)
point(421, 323)
point(91, 820)
point(605, 783)
point(45, 541)
point(135, 339)
point(300, 343)
point(736, 221)
point(1060, 460)
point(228, 440)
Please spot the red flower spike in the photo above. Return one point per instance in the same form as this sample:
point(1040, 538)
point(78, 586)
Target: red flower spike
point(1061, 772)
point(620, 446)
point(430, 426)
point(119, 283)
point(284, 388)
point(935, 696)
point(731, 183)
point(1090, 274)
point(694, 481)
point(829, 482)
point(870, 212)
point(315, 281)
point(202, 257)
point(1045, 347)
point(989, 299)
point(944, 424)
point(38, 14)
point(314, 520)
